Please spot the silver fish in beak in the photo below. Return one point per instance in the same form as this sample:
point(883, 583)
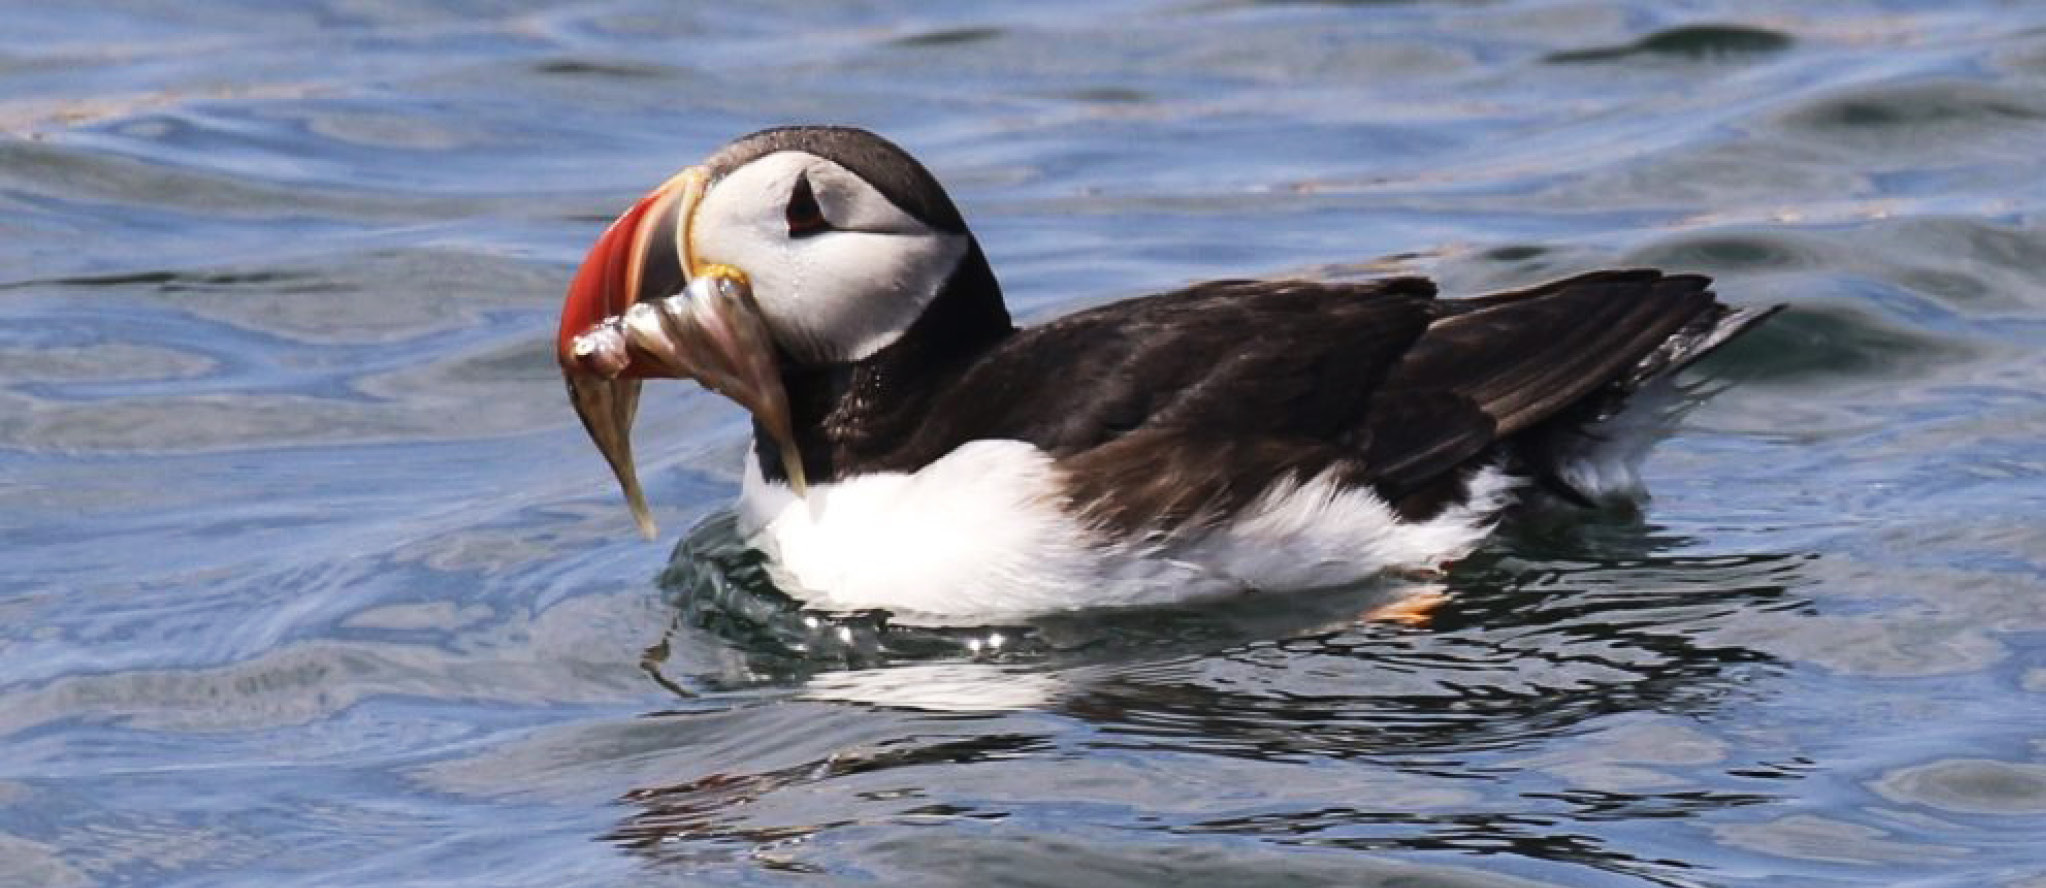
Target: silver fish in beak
point(639, 309)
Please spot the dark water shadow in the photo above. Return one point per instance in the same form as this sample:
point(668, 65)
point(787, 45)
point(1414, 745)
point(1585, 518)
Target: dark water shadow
point(1689, 43)
point(699, 811)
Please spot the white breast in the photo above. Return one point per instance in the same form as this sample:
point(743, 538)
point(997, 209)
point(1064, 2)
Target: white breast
point(979, 531)
point(983, 534)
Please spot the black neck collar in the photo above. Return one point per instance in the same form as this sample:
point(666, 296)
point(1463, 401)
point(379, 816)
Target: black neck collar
point(856, 417)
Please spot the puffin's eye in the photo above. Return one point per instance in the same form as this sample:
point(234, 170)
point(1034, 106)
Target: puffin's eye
point(805, 217)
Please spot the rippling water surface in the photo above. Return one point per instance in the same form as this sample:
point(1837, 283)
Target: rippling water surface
point(311, 579)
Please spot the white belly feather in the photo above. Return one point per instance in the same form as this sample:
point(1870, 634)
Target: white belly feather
point(978, 531)
point(982, 533)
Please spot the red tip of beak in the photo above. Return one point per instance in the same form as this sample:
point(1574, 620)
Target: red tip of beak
point(599, 289)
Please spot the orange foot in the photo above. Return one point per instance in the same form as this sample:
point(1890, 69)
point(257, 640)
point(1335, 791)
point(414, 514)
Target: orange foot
point(1414, 609)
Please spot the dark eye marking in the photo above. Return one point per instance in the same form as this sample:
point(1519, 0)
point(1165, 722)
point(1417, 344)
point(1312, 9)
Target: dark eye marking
point(805, 216)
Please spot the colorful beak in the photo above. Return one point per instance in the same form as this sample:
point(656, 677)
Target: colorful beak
point(629, 317)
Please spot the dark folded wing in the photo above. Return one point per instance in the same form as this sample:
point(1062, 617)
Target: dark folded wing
point(1522, 357)
point(1182, 407)
point(1493, 366)
point(1224, 359)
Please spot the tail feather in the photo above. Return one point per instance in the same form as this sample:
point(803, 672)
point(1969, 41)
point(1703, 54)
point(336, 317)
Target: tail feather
point(1594, 454)
point(1705, 333)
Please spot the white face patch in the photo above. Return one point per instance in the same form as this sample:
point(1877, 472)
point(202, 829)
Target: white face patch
point(836, 295)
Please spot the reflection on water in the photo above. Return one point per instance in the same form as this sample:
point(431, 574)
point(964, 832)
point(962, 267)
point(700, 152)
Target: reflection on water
point(1578, 670)
point(312, 579)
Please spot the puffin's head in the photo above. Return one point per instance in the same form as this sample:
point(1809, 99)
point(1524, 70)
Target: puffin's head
point(799, 245)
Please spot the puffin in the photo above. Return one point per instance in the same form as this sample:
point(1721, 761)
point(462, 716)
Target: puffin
point(916, 451)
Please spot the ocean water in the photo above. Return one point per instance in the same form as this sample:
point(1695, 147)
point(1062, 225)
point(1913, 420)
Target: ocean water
point(309, 577)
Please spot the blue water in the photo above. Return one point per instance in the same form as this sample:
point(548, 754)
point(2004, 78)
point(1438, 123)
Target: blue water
point(310, 577)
